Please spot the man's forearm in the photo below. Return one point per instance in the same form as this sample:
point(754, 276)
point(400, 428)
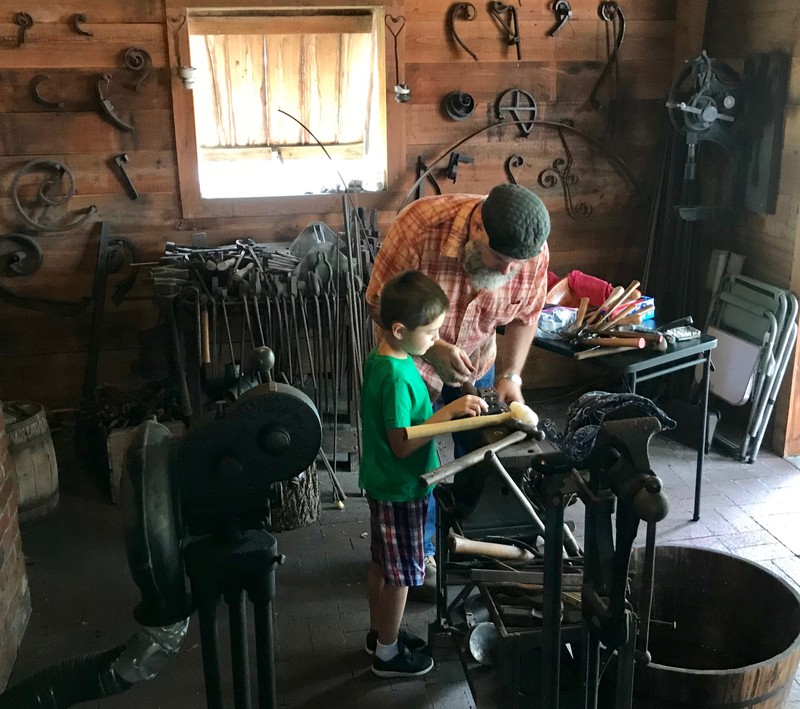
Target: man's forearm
point(518, 338)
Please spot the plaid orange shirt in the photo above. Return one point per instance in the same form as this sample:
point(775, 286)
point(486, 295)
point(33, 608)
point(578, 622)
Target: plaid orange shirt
point(429, 236)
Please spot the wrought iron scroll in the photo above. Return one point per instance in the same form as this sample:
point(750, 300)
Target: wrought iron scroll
point(468, 10)
point(20, 255)
point(24, 21)
point(499, 10)
point(51, 193)
point(513, 162)
point(561, 173)
point(78, 20)
point(611, 13)
point(33, 87)
point(139, 61)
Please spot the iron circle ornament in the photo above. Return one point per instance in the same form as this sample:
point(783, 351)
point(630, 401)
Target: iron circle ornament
point(20, 255)
point(520, 105)
point(57, 187)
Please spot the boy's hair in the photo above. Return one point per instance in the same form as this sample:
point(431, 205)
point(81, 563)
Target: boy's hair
point(413, 299)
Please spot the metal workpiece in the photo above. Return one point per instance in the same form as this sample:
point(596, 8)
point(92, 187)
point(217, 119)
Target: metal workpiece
point(33, 88)
point(506, 17)
point(102, 86)
point(468, 12)
point(563, 12)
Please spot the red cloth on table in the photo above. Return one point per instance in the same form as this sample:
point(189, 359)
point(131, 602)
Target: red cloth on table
point(552, 279)
point(585, 286)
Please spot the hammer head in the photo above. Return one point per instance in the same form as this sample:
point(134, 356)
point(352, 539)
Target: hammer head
point(523, 413)
point(121, 159)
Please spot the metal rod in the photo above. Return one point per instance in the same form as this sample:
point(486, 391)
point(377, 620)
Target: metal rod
point(240, 660)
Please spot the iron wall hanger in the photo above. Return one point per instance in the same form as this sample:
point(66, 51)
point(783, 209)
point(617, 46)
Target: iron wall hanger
point(520, 105)
point(562, 11)
point(33, 88)
point(139, 61)
point(467, 9)
point(611, 13)
point(24, 21)
point(105, 103)
point(50, 193)
point(506, 17)
point(560, 172)
point(452, 166)
point(395, 25)
point(77, 20)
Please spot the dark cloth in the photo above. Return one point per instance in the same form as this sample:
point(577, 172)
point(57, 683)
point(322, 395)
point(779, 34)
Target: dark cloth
point(587, 413)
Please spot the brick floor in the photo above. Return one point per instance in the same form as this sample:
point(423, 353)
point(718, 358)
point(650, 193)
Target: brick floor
point(83, 595)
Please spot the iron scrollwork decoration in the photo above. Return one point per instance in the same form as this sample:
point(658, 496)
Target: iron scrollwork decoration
point(521, 106)
point(139, 61)
point(56, 189)
point(513, 162)
point(78, 19)
point(20, 255)
point(176, 24)
point(33, 87)
point(467, 9)
point(24, 21)
point(611, 13)
point(563, 12)
point(499, 11)
point(561, 173)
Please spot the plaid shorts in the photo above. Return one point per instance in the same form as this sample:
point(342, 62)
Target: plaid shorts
point(396, 533)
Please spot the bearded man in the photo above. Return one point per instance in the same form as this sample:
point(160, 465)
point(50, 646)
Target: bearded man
point(490, 256)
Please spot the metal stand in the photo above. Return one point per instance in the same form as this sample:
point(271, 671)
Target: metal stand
point(228, 568)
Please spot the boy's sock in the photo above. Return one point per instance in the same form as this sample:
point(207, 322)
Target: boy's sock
point(387, 652)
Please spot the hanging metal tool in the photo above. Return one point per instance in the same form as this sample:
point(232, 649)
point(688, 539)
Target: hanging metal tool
point(395, 25)
point(562, 11)
point(467, 9)
point(506, 17)
point(120, 161)
point(105, 103)
point(24, 21)
point(51, 193)
point(33, 88)
point(452, 166)
point(611, 13)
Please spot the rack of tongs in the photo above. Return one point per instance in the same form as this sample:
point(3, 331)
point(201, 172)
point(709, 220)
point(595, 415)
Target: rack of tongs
point(610, 329)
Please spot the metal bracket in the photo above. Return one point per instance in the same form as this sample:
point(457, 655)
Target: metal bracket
point(138, 60)
point(33, 87)
point(467, 9)
point(77, 20)
point(105, 103)
point(25, 22)
point(499, 11)
point(562, 11)
point(523, 114)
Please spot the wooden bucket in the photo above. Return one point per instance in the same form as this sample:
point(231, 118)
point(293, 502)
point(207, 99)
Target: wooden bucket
point(33, 458)
point(736, 639)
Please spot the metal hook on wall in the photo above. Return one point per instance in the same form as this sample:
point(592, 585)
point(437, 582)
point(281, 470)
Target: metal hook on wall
point(33, 87)
point(395, 25)
point(77, 20)
point(467, 9)
point(24, 21)
point(499, 10)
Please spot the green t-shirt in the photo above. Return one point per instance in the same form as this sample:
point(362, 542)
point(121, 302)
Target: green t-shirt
point(393, 395)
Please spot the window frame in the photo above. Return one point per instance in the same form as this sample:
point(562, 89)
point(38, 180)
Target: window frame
point(192, 205)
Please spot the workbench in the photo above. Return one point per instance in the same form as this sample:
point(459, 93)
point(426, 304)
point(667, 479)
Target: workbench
point(639, 366)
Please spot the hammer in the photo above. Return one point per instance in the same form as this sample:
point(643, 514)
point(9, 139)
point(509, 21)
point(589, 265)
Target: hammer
point(515, 411)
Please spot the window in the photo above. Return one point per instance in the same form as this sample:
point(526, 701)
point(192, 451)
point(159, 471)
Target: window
point(260, 74)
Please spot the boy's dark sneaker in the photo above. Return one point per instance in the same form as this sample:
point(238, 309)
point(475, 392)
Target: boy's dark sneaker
point(406, 663)
point(412, 642)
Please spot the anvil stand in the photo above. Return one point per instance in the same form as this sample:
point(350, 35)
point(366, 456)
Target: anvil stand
point(221, 566)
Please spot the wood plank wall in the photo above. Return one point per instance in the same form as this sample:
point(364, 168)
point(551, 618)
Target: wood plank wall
point(43, 357)
point(771, 243)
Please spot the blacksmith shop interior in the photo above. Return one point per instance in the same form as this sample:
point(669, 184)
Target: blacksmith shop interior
point(399, 353)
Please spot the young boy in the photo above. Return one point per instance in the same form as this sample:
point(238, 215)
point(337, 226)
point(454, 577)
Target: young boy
point(394, 395)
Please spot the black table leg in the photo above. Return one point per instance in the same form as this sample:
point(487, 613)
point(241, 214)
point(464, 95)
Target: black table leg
point(701, 447)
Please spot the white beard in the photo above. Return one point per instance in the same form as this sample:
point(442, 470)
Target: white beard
point(482, 277)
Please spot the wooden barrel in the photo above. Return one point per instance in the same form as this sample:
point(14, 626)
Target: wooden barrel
point(736, 635)
point(33, 458)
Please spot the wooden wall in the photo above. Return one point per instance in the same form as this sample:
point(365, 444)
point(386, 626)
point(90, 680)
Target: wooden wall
point(42, 357)
point(771, 242)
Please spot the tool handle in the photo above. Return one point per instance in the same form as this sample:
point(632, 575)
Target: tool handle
point(637, 318)
point(205, 344)
point(623, 297)
point(612, 298)
point(461, 545)
point(600, 352)
point(581, 315)
point(424, 430)
point(634, 343)
point(619, 316)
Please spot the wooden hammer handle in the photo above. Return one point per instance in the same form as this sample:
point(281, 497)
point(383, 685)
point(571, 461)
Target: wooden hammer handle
point(425, 430)
point(461, 545)
point(622, 299)
point(634, 343)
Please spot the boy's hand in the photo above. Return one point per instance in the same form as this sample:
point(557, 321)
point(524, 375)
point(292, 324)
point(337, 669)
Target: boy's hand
point(468, 405)
point(451, 363)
